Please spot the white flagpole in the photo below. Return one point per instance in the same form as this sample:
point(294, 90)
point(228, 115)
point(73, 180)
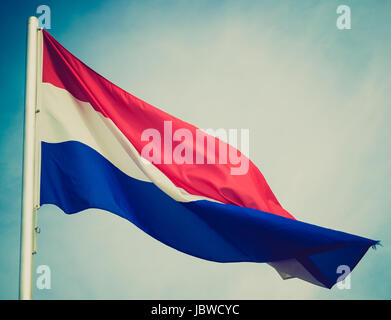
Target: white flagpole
point(27, 228)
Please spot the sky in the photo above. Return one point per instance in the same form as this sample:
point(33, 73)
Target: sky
point(316, 100)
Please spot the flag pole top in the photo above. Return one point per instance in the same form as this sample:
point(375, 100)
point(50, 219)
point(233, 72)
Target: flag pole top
point(33, 20)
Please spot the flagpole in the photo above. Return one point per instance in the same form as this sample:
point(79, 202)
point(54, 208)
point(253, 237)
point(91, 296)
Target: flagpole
point(27, 228)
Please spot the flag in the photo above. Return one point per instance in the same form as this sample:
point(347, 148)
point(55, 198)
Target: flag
point(101, 147)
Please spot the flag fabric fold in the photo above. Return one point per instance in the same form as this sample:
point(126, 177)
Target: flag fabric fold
point(90, 145)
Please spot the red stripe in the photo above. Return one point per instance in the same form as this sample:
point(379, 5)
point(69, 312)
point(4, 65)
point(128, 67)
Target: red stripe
point(132, 116)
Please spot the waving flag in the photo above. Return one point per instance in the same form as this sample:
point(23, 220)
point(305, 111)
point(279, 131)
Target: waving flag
point(92, 137)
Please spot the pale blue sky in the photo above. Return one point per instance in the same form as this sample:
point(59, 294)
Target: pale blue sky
point(316, 100)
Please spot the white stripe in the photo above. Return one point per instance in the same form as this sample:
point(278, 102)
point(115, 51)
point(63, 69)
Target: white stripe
point(292, 268)
point(62, 117)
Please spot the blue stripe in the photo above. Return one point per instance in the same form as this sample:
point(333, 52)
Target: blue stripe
point(75, 177)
